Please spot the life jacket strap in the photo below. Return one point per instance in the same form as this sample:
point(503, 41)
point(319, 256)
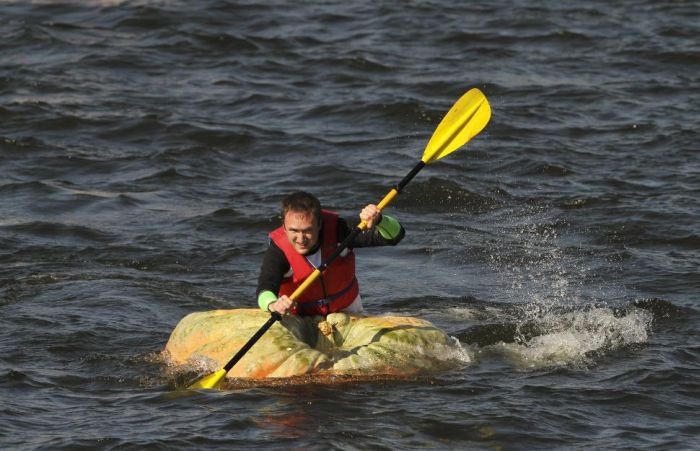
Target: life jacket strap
point(322, 304)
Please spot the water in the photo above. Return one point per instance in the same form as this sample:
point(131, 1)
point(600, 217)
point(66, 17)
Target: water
point(145, 146)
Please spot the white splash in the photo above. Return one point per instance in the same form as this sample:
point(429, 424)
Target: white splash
point(455, 351)
point(570, 339)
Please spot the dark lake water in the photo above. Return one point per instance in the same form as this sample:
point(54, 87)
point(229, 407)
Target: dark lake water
point(145, 146)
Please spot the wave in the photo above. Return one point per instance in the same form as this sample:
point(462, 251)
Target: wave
point(21, 144)
point(226, 220)
point(34, 188)
point(532, 338)
point(57, 231)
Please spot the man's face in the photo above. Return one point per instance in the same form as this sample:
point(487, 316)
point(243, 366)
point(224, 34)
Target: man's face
point(302, 230)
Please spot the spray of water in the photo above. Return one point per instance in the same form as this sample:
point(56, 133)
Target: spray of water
point(558, 295)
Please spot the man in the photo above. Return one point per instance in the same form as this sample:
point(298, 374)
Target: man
point(308, 235)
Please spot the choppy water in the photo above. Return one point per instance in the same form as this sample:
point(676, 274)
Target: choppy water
point(144, 147)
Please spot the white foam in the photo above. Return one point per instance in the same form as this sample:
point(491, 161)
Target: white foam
point(457, 352)
point(463, 313)
point(569, 339)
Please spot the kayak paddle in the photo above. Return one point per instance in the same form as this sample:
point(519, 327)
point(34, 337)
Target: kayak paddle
point(467, 117)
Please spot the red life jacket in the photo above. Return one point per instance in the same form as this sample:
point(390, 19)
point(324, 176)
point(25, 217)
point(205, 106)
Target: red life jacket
point(336, 287)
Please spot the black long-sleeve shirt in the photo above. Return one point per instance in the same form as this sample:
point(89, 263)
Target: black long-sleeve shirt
point(275, 264)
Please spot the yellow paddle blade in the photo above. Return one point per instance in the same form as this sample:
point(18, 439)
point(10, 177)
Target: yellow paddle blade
point(465, 120)
point(211, 381)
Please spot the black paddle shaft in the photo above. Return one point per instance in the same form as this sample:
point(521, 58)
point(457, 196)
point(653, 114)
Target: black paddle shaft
point(410, 175)
point(275, 317)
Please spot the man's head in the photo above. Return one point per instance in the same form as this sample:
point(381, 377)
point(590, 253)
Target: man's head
point(301, 219)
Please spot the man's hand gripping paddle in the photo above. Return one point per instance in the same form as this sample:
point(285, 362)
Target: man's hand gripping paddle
point(465, 120)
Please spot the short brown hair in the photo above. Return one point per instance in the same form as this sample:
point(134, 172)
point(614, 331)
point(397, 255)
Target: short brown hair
point(302, 201)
